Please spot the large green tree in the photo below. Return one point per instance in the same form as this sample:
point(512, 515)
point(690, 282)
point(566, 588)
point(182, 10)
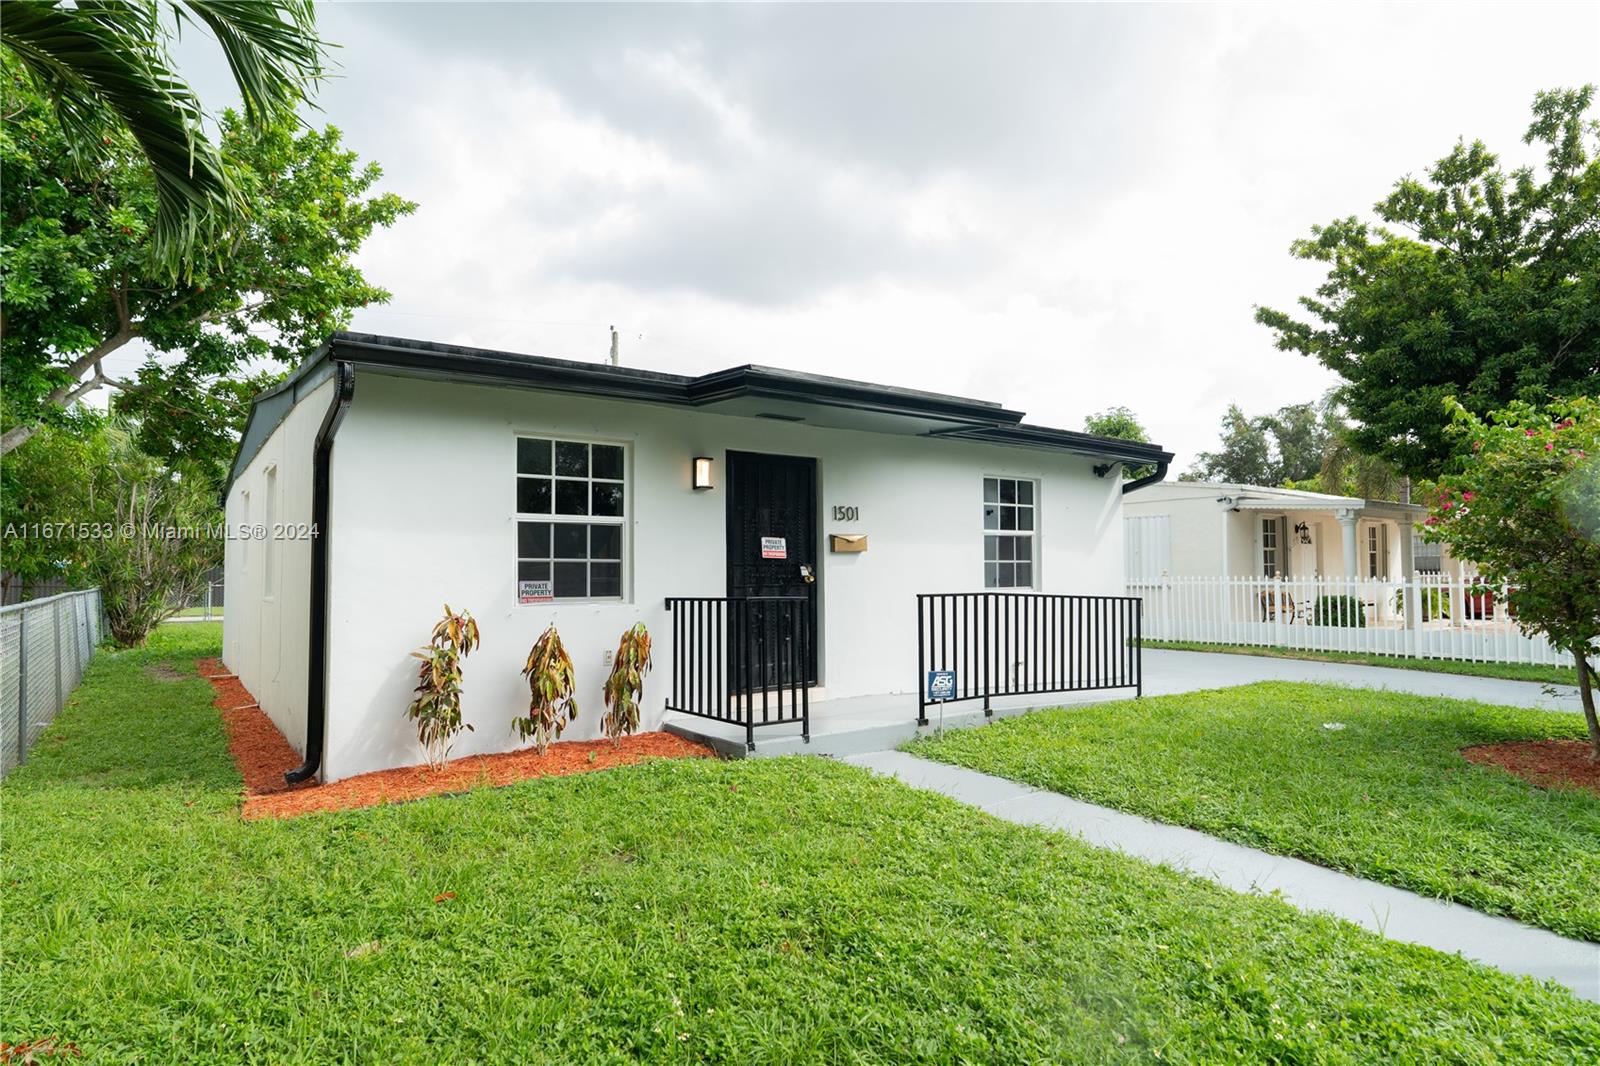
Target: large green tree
point(80, 284)
point(1273, 449)
point(1478, 283)
point(1244, 456)
point(44, 489)
point(1120, 423)
point(107, 69)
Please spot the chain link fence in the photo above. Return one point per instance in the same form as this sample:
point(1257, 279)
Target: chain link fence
point(45, 645)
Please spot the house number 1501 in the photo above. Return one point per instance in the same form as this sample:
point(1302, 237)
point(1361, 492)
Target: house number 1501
point(846, 514)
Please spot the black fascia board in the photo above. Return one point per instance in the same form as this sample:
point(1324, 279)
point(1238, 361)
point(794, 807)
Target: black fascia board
point(775, 384)
point(969, 419)
point(1066, 440)
point(483, 364)
point(633, 383)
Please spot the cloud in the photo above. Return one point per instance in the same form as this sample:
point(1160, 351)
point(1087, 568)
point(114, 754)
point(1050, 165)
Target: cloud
point(1062, 208)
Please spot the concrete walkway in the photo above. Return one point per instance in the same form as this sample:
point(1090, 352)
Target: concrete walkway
point(1167, 672)
point(1390, 912)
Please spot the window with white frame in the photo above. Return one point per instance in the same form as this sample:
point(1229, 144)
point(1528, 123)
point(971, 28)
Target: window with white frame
point(571, 519)
point(1275, 546)
point(1378, 551)
point(1009, 533)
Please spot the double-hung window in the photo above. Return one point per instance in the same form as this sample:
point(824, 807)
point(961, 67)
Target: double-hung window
point(571, 519)
point(1378, 551)
point(1275, 545)
point(1272, 547)
point(1009, 531)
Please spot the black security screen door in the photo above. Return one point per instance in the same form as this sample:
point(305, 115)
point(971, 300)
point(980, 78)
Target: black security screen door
point(772, 551)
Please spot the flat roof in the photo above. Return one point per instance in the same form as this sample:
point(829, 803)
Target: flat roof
point(1266, 497)
point(751, 390)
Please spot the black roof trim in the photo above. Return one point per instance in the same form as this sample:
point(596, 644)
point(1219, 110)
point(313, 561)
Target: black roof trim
point(633, 383)
point(977, 420)
point(1066, 440)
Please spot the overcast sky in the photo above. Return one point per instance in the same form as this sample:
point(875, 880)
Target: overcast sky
point(1059, 208)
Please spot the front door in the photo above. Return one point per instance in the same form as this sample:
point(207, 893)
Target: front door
point(772, 551)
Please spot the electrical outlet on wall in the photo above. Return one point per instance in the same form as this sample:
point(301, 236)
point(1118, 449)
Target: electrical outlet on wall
point(605, 660)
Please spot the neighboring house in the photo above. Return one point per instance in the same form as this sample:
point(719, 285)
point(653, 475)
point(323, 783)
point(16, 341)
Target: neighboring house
point(1207, 529)
point(402, 475)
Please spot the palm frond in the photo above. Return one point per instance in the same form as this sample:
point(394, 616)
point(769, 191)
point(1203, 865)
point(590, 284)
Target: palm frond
point(94, 64)
point(272, 48)
point(106, 67)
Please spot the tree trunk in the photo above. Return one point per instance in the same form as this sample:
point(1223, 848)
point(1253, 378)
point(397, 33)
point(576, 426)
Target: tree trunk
point(64, 396)
point(1586, 694)
point(16, 437)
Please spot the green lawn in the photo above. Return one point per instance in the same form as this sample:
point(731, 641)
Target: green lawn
point(776, 911)
point(1549, 675)
point(1388, 797)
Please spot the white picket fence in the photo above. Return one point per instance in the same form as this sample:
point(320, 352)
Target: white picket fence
point(1428, 617)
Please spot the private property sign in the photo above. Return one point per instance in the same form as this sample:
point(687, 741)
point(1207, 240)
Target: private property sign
point(774, 548)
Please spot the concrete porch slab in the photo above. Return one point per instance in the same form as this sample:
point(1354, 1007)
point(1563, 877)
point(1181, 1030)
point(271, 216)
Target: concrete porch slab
point(861, 724)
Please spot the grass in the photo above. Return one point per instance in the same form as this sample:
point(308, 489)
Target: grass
point(1388, 797)
point(779, 911)
point(1549, 675)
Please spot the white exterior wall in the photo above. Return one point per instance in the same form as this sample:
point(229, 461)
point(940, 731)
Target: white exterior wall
point(1203, 534)
point(1194, 525)
point(264, 624)
point(422, 514)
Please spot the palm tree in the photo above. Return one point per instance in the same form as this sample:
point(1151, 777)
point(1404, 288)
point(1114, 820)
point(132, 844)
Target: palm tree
point(1347, 472)
point(107, 67)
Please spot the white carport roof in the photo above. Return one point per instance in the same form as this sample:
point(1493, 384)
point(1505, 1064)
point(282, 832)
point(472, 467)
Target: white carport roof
point(1266, 498)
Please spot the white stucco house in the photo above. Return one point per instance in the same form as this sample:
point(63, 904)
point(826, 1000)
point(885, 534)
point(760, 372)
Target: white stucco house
point(791, 519)
point(1211, 529)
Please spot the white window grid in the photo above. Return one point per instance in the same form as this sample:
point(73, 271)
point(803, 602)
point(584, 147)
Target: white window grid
point(1010, 532)
point(553, 554)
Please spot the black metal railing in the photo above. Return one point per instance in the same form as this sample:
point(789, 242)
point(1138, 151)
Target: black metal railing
point(743, 660)
point(1025, 644)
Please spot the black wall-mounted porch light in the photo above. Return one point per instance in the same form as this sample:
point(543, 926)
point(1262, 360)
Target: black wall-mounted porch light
point(702, 472)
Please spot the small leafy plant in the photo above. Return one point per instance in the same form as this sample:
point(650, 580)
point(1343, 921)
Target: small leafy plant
point(437, 708)
point(551, 707)
point(626, 683)
point(1347, 611)
point(1433, 603)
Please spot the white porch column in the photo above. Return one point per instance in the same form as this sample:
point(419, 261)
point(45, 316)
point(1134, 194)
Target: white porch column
point(1223, 618)
point(1408, 574)
point(1347, 530)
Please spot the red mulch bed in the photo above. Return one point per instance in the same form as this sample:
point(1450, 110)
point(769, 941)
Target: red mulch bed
point(263, 755)
point(1546, 763)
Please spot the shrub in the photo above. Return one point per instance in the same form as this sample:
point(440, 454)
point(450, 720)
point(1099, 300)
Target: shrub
point(626, 683)
point(550, 685)
point(437, 708)
point(1525, 506)
point(1345, 611)
point(1434, 603)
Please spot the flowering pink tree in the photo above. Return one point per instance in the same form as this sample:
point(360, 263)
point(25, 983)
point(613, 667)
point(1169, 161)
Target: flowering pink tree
point(1526, 509)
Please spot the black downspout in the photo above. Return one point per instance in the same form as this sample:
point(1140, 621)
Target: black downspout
point(1148, 479)
point(317, 624)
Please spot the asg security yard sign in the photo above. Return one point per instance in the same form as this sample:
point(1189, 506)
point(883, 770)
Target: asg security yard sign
point(941, 685)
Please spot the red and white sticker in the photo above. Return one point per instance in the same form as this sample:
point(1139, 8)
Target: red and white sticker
point(535, 592)
point(774, 548)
